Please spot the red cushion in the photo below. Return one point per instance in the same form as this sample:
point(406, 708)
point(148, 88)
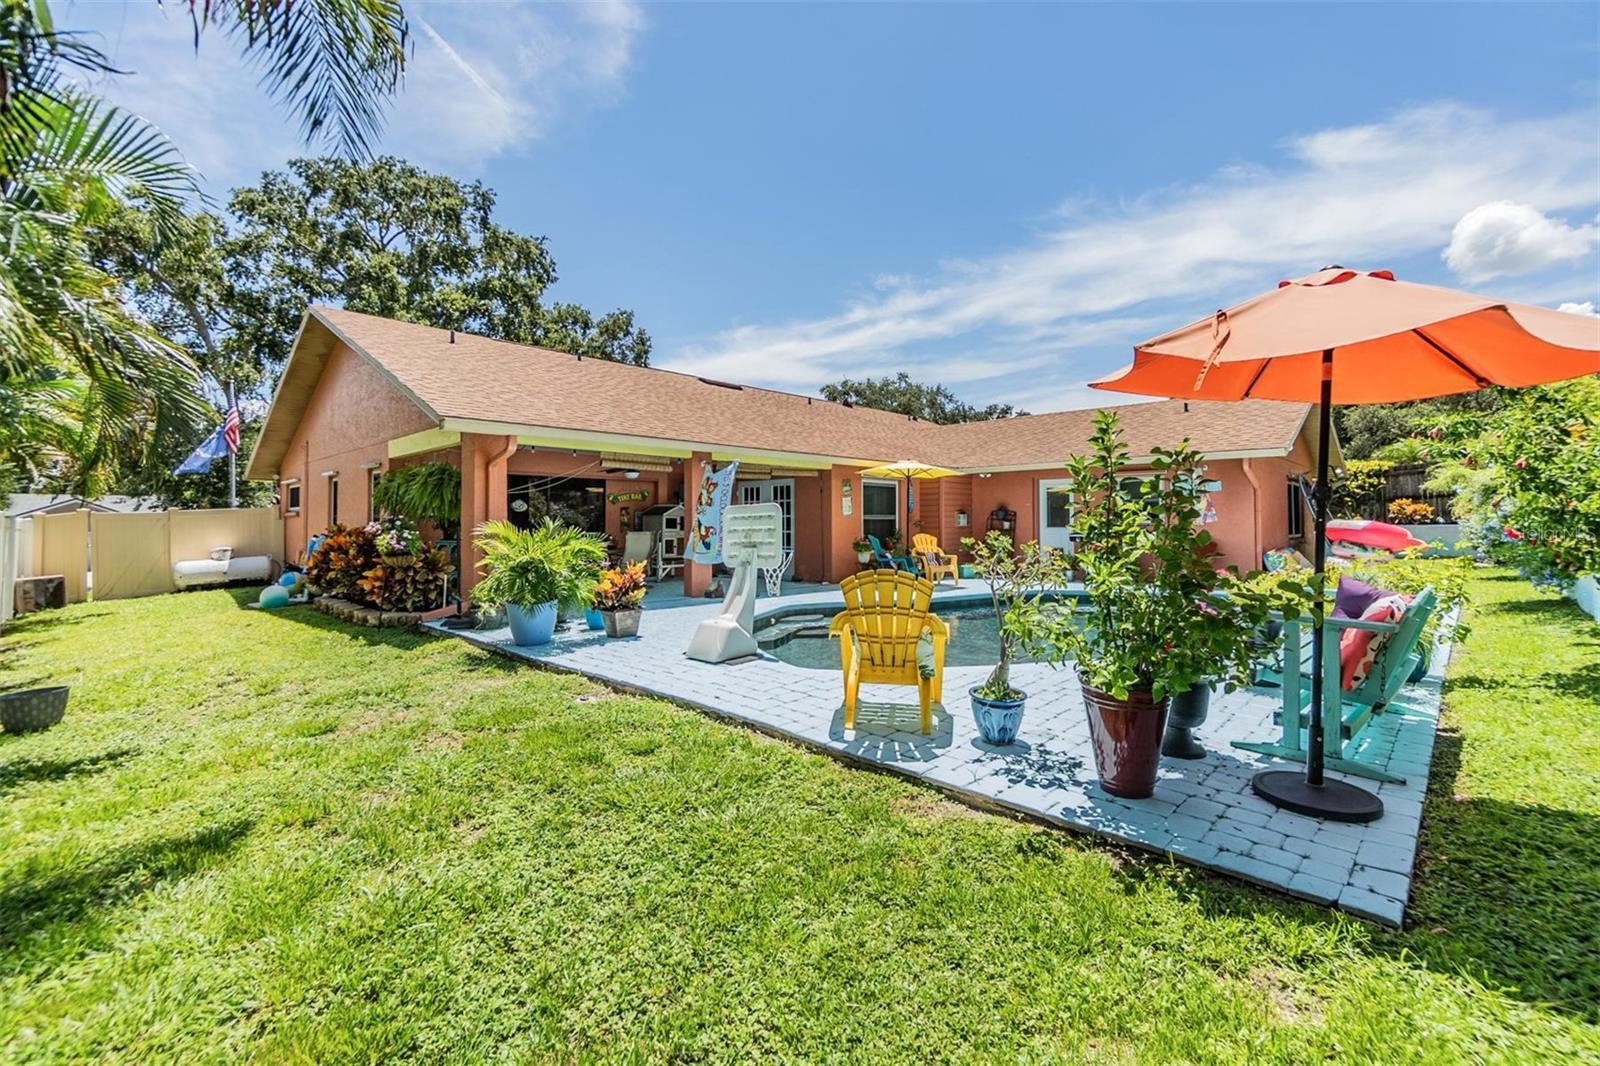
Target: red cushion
point(1358, 648)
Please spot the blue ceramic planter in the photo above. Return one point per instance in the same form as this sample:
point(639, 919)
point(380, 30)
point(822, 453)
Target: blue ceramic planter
point(594, 619)
point(998, 720)
point(531, 625)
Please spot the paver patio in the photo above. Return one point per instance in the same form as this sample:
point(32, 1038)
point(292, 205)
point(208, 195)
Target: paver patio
point(1203, 811)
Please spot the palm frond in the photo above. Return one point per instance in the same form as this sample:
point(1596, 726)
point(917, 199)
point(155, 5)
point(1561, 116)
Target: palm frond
point(334, 62)
point(88, 148)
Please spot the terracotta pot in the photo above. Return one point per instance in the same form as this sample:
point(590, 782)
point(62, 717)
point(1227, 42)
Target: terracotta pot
point(1127, 740)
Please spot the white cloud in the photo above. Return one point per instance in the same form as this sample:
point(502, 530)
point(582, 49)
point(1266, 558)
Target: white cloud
point(483, 80)
point(1106, 278)
point(1500, 238)
point(1585, 308)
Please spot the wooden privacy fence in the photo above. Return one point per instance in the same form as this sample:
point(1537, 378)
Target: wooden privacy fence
point(1402, 481)
point(131, 554)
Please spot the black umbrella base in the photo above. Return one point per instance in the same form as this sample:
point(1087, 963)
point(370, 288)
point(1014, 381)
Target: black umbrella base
point(1338, 801)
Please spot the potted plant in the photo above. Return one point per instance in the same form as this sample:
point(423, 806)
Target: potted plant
point(863, 549)
point(1017, 579)
point(532, 571)
point(424, 492)
point(1157, 617)
point(617, 596)
point(396, 540)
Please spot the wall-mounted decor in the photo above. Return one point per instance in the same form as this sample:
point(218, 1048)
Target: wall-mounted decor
point(636, 496)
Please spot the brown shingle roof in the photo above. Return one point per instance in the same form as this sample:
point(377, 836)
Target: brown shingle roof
point(483, 380)
point(1216, 429)
point(498, 381)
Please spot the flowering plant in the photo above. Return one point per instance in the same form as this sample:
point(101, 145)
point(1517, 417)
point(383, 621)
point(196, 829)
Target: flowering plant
point(395, 536)
point(620, 589)
point(1527, 479)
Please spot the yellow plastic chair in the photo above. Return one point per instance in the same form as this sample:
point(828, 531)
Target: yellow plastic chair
point(936, 564)
point(886, 613)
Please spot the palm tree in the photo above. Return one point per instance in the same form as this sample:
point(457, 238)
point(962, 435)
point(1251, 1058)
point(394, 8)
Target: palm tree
point(72, 356)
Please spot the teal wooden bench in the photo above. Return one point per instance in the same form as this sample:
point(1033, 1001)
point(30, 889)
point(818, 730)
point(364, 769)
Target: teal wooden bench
point(1344, 714)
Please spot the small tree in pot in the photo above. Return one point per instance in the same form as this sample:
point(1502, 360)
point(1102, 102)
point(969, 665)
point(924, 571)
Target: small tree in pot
point(1158, 618)
point(533, 572)
point(1017, 579)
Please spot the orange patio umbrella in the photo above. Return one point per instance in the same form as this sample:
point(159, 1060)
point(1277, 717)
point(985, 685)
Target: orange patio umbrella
point(1344, 336)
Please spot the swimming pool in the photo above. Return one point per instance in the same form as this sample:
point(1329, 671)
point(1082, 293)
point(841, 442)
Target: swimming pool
point(801, 639)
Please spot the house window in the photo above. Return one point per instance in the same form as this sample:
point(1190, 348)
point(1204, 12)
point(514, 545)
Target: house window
point(880, 508)
point(372, 493)
point(333, 501)
point(1132, 486)
point(1297, 509)
point(291, 497)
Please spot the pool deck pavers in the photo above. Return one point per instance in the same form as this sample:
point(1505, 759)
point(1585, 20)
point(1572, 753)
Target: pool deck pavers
point(1203, 811)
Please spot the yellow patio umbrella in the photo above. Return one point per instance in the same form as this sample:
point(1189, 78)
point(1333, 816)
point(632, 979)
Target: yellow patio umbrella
point(911, 470)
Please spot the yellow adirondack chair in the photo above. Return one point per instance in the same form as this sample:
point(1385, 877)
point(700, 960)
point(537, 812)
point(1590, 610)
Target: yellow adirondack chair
point(936, 564)
point(885, 615)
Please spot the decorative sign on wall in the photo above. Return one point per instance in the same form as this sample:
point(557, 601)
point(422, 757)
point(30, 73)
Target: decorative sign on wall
point(637, 495)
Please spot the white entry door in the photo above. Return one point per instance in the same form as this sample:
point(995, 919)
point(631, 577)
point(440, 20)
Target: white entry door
point(779, 491)
point(1055, 514)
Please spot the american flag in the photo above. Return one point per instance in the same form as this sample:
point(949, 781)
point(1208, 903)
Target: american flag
point(230, 428)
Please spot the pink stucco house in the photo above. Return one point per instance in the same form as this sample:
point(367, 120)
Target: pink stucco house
point(362, 394)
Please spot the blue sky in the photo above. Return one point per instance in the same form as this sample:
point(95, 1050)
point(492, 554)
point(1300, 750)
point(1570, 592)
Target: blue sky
point(1002, 198)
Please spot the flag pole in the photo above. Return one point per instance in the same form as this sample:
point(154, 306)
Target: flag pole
point(233, 461)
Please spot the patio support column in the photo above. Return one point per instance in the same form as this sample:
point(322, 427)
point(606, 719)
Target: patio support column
point(696, 576)
point(484, 458)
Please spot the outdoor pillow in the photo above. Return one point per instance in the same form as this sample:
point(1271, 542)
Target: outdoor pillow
point(1359, 648)
point(1354, 597)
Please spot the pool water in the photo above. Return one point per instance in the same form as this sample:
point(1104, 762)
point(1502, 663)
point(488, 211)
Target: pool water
point(802, 639)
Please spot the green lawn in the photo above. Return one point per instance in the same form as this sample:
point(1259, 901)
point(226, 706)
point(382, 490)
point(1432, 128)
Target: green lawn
point(275, 836)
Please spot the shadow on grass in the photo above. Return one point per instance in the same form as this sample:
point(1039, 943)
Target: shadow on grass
point(309, 616)
point(54, 618)
point(33, 899)
point(1508, 893)
point(20, 772)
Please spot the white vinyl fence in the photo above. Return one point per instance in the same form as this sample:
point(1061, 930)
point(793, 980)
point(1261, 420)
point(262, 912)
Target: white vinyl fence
point(129, 554)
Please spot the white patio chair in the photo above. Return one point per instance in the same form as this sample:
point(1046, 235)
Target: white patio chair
point(639, 547)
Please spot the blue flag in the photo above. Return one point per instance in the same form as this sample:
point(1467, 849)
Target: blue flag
point(210, 450)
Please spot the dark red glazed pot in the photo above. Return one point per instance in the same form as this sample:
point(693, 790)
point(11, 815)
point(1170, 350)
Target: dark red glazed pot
point(1127, 740)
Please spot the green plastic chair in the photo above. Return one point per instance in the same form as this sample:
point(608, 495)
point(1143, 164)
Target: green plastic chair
point(1344, 714)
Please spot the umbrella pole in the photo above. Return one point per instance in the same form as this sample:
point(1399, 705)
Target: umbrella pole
point(1311, 793)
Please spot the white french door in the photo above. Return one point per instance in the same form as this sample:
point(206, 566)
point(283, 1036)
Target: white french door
point(1055, 514)
point(779, 491)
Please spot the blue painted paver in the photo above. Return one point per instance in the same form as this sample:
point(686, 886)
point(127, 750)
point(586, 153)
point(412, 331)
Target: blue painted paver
point(1203, 811)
